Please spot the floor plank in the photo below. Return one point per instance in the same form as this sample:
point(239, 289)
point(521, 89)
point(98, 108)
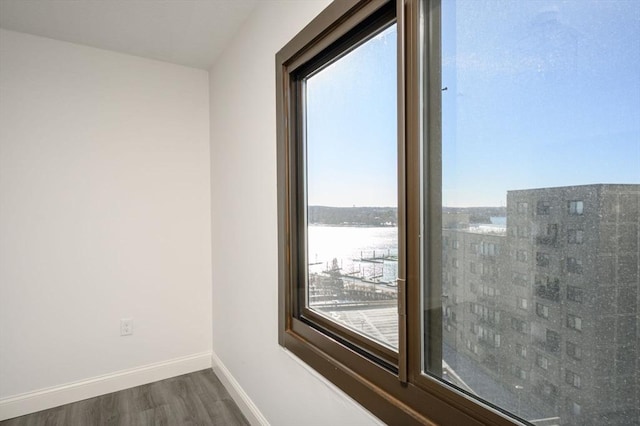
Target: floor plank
point(198, 399)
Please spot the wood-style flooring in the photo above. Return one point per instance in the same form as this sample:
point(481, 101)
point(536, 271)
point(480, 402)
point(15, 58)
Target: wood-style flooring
point(193, 399)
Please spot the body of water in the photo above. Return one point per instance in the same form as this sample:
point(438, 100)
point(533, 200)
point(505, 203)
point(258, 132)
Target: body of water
point(350, 246)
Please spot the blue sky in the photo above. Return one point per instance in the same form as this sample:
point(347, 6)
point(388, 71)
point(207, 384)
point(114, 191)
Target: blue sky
point(539, 93)
point(351, 127)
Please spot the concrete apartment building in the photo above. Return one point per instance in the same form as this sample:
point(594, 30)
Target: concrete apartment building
point(548, 310)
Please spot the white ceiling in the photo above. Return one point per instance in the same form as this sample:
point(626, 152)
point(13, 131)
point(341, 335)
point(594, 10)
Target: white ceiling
point(187, 32)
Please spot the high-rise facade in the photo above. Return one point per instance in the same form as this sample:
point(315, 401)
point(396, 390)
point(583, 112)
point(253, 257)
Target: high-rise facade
point(543, 314)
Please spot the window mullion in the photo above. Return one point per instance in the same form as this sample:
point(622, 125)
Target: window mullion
point(402, 193)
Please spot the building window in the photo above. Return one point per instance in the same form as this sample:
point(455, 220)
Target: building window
point(576, 207)
point(547, 389)
point(542, 310)
point(489, 249)
point(550, 236)
point(331, 56)
point(547, 288)
point(574, 351)
point(519, 279)
point(522, 303)
point(519, 325)
point(522, 207)
point(542, 259)
point(487, 290)
point(552, 343)
point(574, 408)
point(543, 208)
point(574, 265)
point(487, 269)
point(573, 379)
point(575, 236)
point(488, 315)
point(542, 361)
point(385, 113)
point(519, 372)
point(521, 350)
point(574, 322)
point(488, 336)
point(575, 294)
point(522, 231)
point(521, 255)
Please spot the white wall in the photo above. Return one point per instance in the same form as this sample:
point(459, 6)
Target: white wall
point(245, 286)
point(104, 212)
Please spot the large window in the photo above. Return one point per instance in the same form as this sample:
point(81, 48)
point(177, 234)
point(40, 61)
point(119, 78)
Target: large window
point(351, 187)
point(422, 145)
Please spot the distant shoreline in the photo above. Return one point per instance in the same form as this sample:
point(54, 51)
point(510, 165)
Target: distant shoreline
point(352, 225)
point(382, 217)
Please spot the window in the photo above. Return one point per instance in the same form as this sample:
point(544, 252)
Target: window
point(472, 347)
point(543, 208)
point(408, 130)
point(574, 408)
point(487, 290)
point(519, 325)
point(549, 236)
point(519, 279)
point(489, 249)
point(547, 389)
point(542, 361)
point(488, 315)
point(488, 269)
point(522, 232)
point(574, 236)
point(518, 372)
point(573, 379)
point(523, 207)
point(575, 294)
point(547, 288)
point(522, 303)
point(488, 336)
point(521, 350)
point(574, 265)
point(542, 310)
point(542, 259)
point(574, 351)
point(552, 343)
point(574, 322)
point(576, 207)
point(521, 256)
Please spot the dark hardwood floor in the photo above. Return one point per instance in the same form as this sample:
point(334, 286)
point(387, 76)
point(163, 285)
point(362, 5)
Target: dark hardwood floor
point(193, 399)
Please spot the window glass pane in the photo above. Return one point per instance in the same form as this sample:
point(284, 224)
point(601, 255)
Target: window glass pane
point(352, 234)
point(541, 186)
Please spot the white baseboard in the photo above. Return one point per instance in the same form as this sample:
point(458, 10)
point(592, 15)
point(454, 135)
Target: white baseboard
point(43, 399)
point(239, 396)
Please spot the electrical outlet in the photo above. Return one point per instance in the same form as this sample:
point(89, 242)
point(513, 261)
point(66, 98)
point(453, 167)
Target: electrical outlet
point(126, 327)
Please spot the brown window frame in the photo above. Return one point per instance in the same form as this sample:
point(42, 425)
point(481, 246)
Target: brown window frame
point(391, 385)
